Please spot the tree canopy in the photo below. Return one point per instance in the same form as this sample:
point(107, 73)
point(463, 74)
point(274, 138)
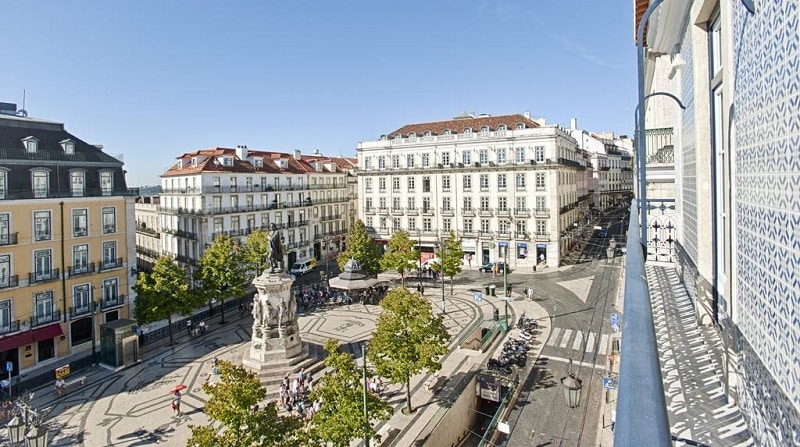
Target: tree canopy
point(223, 271)
point(362, 248)
point(408, 338)
point(255, 252)
point(161, 293)
point(234, 420)
point(341, 395)
point(401, 254)
point(452, 258)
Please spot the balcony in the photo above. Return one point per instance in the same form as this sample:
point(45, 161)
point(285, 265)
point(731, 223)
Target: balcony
point(485, 212)
point(427, 211)
point(112, 301)
point(148, 231)
point(397, 211)
point(447, 211)
point(522, 212)
point(541, 212)
point(46, 318)
point(383, 210)
point(330, 217)
point(503, 234)
point(486, 234)
point(468, 233)
point(79, 311)
point(369, 210)
point(12, 326)
point(660, 149)
point(412, 211)
point(8, 282)
point(521, 235)
point(43, 276)
point(78, 270)
point(468, 212)
point(503, 212)
point(8, 238)
point(147, 252)
point(109, 264)
point(542, 236)
point(186, 260)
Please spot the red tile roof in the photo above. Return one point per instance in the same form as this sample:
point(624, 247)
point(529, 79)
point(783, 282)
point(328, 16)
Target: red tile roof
point(458, 125)
point(639, 7)
point(270, 165)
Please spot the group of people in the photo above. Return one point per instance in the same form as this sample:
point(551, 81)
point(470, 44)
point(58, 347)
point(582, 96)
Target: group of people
point(7, 411)
point(294, 395)
point(426, 272)
point(195, 330)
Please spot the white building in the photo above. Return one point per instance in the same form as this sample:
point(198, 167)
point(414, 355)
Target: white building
point(235, 191)
point(498, 181)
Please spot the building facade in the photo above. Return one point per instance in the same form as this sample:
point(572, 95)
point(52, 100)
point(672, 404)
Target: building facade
point(509, 186)
point(218, 191)
point(731, 217)
point(66, 252)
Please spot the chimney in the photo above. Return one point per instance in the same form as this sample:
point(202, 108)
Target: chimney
point(297, 154)
point(527, 114)
point(573, 123)
point(241, 152)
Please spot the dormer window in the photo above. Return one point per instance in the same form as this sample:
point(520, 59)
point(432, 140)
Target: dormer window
point(447, 132)
point(384, 138)
point(258, 162)
point(68, 146)
point(227, 161)
point(502, 127)
point(31, 144)
point(467, 130)
point(520, 126)
point(106, 183)
point(41, 183)
point(484, 129)
point(194, 162)
point(412, 135)
point(398, 137)
point(427, 133)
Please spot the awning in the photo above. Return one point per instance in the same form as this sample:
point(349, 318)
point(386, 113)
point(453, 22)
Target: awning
point(47, 332)
point(15, 341)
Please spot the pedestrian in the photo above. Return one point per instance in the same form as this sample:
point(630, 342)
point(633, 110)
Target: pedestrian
point(613, 419)
point(241, 308)
point(189, 326)
point(60, 386)
point(176, 402)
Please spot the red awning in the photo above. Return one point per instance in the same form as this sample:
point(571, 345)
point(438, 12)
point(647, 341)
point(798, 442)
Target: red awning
point(15, 341)
point(47, 332)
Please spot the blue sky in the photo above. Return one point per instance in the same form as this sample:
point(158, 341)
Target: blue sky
point(154, 79)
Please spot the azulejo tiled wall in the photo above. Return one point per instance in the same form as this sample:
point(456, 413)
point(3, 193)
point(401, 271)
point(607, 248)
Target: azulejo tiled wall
point(766, 116)
point(687, 228)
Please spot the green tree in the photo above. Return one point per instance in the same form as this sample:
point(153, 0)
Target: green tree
point(452, 258)
point(342, 395)
point(234, 420)
point(223, 271)
point(161, 293)
point(408, 338)
point(362, 248)
point(256, 251)
point(401, 254)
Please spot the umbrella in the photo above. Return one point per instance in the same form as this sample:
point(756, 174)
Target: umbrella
point(352, 284)
point(177, 388)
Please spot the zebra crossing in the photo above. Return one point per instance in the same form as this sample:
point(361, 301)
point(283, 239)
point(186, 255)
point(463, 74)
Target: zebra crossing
point(577, 340)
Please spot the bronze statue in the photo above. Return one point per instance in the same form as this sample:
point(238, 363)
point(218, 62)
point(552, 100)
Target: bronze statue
point(275, 250)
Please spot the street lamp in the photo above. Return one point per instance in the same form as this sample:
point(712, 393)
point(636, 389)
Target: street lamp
point(441, 272)
point(572, 387)
point(507, 293)
point(27, 429)
point(366, 412)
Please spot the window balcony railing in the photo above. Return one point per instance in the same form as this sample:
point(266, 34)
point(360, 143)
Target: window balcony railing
point(8, 238)
point(112, 301)
point(660, 149)
point(485, 212)
point(412, 211)
point(107, 229)
point(521, 235)
point(108, 264)
point(427, 211)
point(468, 212)
point(383, 210)
point(186, 260)
point(522, 212)
point(397, 211)
point(486, 234)
point(468, 233)
point(541, 212)
point(8, 282)
point(542, 236)
point(503, 212)
point(369, 210)
point(447, 211)
point(504, 234)
point(45, 318)
point(11, 326)
point(79, 311)
point(43, 276)
point(77, 270)
point(147, 252)
point(148, 231)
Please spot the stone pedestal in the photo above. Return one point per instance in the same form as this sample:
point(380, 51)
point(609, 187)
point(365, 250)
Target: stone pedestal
point(275, 347)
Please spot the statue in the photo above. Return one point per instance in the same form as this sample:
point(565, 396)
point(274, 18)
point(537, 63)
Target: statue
point(281, 313)
point(268, 315)
point(256, 309)
point(275, 250)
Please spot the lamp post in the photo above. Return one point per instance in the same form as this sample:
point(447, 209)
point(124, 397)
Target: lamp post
point(94, 305)
point(441, 273)
point(572, 387)
point(27, 428)
point(366, 413)
point(419, 252)
point(505, 282)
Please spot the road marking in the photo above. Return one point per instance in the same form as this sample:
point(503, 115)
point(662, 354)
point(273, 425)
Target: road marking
point(565, 338)
point(590, 342)
point(578, 340)
point(553, 336)
point(603, 343)
point(586, 364)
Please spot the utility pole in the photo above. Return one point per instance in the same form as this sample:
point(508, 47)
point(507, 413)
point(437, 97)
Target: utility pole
point(366, 413)
point(505, 282)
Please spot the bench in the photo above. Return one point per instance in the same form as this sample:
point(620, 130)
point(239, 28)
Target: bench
point(74, 384)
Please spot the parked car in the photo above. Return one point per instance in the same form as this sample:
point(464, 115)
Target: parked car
point(489, 267)
point(301, 268)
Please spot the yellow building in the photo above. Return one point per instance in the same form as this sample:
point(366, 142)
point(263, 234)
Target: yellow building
point(65, 212)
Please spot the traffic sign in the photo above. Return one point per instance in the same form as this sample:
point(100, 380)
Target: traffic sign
point(9, 366)
point(615, 327)
point(609, 384)
point(614, 318)
point(477, 296)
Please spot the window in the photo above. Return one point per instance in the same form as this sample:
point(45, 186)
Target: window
point(81, 298)
point(382, 223)
point(42, 262)
point(412, 203)
point(109, 220)
point(31, 144)
point(467, 130)
point(3, 183)
point(106, 183)
point(396, 184)
point(483, 155)
point(484, 182)
point(396, 203)
point(44, 306)
point(215, 183)
point(395, 161)
point(5, 271)
point(468, 225)
point(41, 225)
point(409, 161)
point(539, 150)
point(425, 160)
point(426, 184)
point(467, 203)
point(382, 185)
point(235, 223)
point(501, 156)
point(381, 162)
point(80, 226)
point(446, 203)
point(426, 224)
point(503, 226)
point(110, 290)
point(368, 223)
point(521, 202)
point(396, 223)
point(5, 229)
point(447, 132)
point(467, 182)
point(368, 184)
point(368, 203)
point(446, 159)
point(446, 183)
point(522, 226)
point(78, 183)
point(502, 203)
point(541, 226)
point(520, 126)
point(501, 182)
point(5, 316)
point(412, 224)
point(484, 130)
point(368, 163)
point(485, 226)
point(466, 157)
point(541, 203)
point(41, 185)
point(520, 154)
point(540, 184)
point(447, 225)
point(109, 254)
point(411, 184)
point(69, 147)
point(485, 204)
point(80, 259)
point(426, 204)
point(520, 181)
